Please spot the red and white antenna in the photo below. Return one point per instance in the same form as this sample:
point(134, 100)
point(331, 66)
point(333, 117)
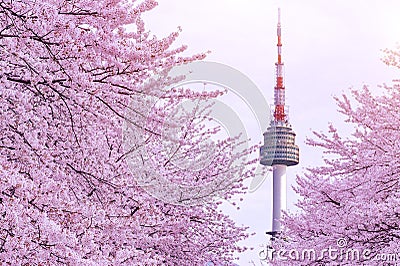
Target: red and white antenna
point(279, 94)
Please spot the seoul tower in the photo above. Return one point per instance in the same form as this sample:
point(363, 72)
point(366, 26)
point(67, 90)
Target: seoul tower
point(279, 149)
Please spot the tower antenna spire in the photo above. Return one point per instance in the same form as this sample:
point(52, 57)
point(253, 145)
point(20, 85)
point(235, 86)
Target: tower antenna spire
point(279, 93)
point(279, 15)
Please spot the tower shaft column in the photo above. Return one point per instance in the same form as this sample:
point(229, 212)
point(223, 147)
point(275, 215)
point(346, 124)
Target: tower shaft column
point(279, 195)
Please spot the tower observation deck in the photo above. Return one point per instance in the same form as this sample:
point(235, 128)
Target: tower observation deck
point(279, 149)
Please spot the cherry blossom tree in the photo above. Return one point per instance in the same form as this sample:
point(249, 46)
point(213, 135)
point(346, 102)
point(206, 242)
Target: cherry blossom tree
point(349, 211)
point(76, 76)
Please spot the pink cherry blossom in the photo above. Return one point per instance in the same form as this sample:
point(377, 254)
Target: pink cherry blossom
point(352, 201)
point(72, 74)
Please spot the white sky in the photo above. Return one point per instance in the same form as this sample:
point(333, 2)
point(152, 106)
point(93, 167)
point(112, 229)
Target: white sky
point(328, 46)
